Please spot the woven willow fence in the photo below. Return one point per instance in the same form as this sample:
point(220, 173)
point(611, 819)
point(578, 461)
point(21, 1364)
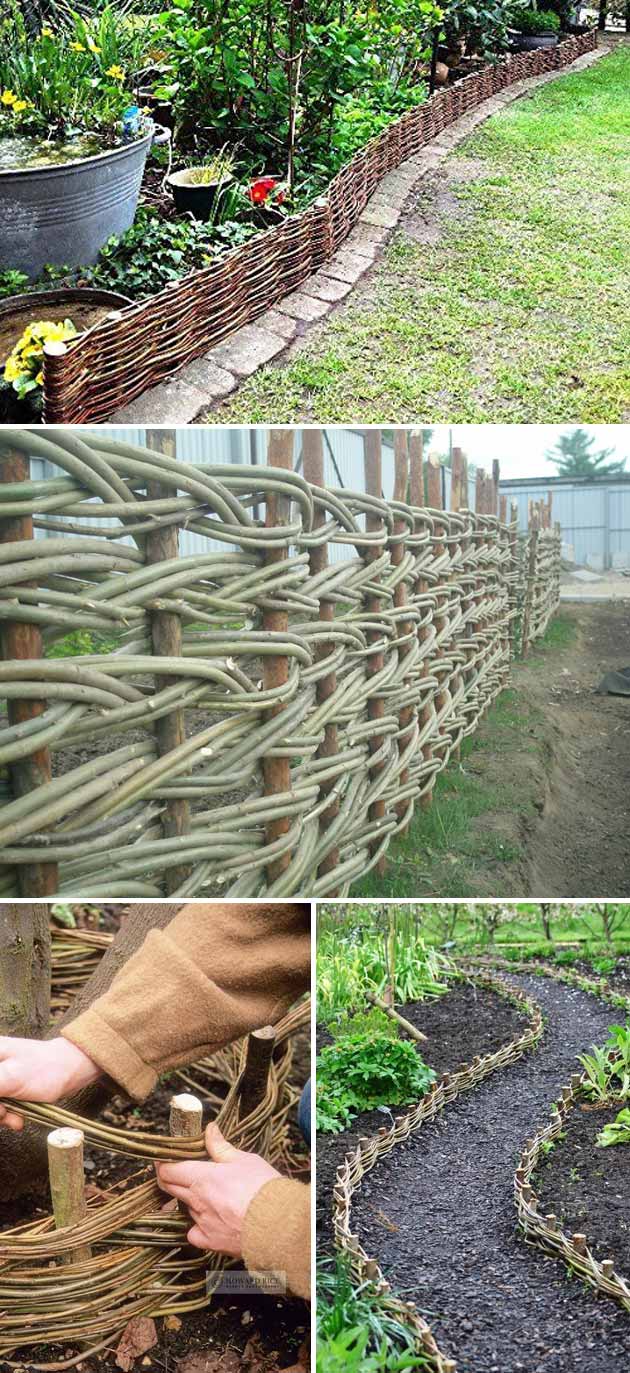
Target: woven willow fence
point(82, 1282)
point(136, 348)
point(267, 712)
point(371, 1149)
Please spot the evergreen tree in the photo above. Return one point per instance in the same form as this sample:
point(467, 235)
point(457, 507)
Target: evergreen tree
point(573, 456)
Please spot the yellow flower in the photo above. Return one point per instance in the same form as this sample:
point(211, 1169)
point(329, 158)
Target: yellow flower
point(115, 71)
point(92, 45)
point(8, 98)
point(45, 32)
point(77, 47)
point(20, 105)
point(40, 379)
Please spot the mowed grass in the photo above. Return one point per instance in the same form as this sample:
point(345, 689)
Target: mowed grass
point(519, 312)
point(444, 853)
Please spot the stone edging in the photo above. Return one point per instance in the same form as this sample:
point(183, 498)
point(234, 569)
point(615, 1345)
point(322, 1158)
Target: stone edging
point(370, 1150)
point(209, 380)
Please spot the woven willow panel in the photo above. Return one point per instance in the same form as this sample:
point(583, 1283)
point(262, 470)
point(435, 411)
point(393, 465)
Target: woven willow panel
point(388, 658)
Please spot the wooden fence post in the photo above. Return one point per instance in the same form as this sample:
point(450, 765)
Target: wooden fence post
point(435, 499)
point(162, 544)
point(372, 447)
point(253, 1085)
point(67, 1184)
point(404, 628)
point(459, 501)
point(277, 771)
point(22, 642)
point(313, 465)
point(532, 561)
point(421, 588)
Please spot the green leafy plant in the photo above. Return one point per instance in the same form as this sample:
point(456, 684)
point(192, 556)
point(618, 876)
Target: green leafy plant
point(215, 170)
point(355, 1327)
point(608, 1068)
point(78, 73)
point(365, 1069)
point(12, 282)
point(535, 22)
point(616, 1132)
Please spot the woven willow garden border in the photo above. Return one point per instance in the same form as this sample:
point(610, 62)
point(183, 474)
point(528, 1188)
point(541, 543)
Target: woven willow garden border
point(545, 1231)
point(369, 1150)
point(108, 366)
point(266, 717)
point(128, 1257)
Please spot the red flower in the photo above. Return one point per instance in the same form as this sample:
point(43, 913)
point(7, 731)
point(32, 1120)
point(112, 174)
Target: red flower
point(260, 190)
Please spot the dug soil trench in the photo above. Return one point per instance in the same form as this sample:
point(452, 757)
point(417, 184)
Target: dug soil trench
point(438, 1214)
point(572, 759)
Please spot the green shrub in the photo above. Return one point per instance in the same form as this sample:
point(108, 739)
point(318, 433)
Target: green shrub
point(535, 22)
point(363, 1070)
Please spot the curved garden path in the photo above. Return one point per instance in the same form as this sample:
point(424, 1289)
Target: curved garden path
point(494, 1304)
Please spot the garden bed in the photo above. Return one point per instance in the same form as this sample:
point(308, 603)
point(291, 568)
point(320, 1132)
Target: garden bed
point(586, 1186)
point(469, 1020)
point(114, 362)
point(489, 1299)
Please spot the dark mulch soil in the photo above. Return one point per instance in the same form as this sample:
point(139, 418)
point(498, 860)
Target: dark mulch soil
point(465, 1022)
point(587, 1187)
point(439, 1214)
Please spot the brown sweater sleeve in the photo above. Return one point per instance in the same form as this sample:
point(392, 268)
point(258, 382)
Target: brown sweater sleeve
point(277, 1233)
point(214, 973)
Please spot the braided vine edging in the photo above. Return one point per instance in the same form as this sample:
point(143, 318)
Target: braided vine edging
point(369, 1150)
point(544, 1231)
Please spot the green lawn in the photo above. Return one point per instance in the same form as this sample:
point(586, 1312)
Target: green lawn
point(518, 312)
point(467, 843)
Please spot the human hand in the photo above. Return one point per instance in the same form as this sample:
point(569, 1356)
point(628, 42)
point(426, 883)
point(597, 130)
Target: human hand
point(217, 1193)
point(41, 1070)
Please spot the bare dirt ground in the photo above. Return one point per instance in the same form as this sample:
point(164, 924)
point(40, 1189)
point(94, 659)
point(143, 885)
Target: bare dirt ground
point(575, 841)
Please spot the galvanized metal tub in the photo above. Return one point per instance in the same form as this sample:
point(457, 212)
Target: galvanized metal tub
point(64, 213)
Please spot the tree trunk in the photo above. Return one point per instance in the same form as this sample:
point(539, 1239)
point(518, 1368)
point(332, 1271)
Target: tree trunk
point(24, 969)
point(23, 1157)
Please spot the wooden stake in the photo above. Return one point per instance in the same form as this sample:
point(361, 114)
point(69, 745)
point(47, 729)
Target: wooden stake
point(162, 544)
point(496, 477)
point(277, 771)
point(457, 480)
point(434, 483)
point(406, 717)
point(67, 1185)
point(313, 464)
point(376, 706)
point(253, 1086)
point(185, 1118)
point(417, 501)
point(400, 1020)
point(22, 642)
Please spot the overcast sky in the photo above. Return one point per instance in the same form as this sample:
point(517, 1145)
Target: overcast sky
point(521, 448)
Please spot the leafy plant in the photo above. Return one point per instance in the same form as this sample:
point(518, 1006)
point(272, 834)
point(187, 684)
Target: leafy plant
point(156, 251)
point(536, 22)
point(355, 1325)
point(365, 1069)
point(617, 1131)
point(12, 282)
point(608, 1068)
point(23, 367)
point(216, 169)
point(79, 75)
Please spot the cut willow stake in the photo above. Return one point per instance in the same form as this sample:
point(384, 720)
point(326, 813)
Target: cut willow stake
point(372, 448)
point(277, 770)
point(393, 1015)
point(253, 1086)
point(404, 627)
point(313, 462)
point(67, 1184)
point(166, 636)
point(19, 641)
point(185, 1118)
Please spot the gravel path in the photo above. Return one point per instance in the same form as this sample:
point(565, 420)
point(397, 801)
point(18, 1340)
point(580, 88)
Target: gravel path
point(494, 1304)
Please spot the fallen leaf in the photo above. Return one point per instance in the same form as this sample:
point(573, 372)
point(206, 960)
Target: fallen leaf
point(137, 1337)
point(172, 1323)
